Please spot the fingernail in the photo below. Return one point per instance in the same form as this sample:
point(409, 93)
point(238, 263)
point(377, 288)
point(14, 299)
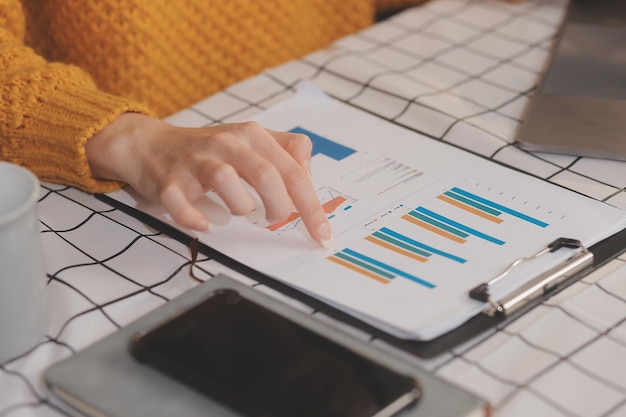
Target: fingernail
point(203, 226)
point(325, 236)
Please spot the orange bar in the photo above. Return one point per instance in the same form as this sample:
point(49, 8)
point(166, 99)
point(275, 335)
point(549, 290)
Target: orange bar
point(469, 208)
point(328, 207)
point(357, 269)
point(433, 229)
point(391, 247)
point(331, 205)
point(275, 226)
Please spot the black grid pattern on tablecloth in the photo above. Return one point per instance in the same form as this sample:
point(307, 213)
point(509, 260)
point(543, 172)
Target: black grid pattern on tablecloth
point(458, 71)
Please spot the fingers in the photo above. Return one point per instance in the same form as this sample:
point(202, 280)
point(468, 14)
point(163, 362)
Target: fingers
point(176, 197)
point(224, 179)
point(291, 155)
point(275, 164)
point(241, 153)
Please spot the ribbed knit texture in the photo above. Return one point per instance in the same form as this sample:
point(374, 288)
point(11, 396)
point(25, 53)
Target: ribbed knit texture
point(150, 56)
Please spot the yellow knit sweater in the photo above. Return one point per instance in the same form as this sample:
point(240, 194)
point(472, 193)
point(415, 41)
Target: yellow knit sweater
point(70, 67)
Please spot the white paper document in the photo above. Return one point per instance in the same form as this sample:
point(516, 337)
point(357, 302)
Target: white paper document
point(417, 223)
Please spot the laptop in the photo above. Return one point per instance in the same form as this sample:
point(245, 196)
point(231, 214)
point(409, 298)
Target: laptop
point(580, 105)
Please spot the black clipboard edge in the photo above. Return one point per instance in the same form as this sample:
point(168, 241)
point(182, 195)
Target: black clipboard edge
point(603, 251)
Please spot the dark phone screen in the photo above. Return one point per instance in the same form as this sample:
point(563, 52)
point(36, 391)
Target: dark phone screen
point(263, 364)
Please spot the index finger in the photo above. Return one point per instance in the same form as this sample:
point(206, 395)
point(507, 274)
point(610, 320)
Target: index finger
point(292, 159)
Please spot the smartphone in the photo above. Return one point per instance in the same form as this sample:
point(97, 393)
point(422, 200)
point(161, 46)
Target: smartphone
point(263, 364)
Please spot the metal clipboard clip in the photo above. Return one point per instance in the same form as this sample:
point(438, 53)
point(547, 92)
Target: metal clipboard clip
point(543, 284)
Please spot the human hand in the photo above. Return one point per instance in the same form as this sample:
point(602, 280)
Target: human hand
point(176, 166)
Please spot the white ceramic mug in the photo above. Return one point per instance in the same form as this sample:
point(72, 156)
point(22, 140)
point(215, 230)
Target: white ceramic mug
point(22, 277)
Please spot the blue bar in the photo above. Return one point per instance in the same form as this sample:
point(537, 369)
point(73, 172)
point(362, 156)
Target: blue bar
point(389, 268)
point(460, 226)
point(325, 146)
point(363, 265)
point(439, 225)
point(430, 249)
point(472, 203)
point(500, 207)
point(402, 245)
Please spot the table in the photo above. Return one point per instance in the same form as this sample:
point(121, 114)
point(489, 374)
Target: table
point(459, 71)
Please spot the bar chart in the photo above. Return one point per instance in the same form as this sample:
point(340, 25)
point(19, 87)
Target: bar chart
point(451, 226)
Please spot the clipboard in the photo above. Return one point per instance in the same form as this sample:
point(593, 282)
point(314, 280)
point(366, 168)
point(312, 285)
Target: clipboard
point(387, 203)
point(582, 262)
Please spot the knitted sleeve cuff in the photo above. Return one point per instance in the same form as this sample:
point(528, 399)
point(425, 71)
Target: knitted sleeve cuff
point(50, 137)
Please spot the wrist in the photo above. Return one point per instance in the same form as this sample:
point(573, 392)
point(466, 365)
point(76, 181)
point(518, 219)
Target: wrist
point(111, 151)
